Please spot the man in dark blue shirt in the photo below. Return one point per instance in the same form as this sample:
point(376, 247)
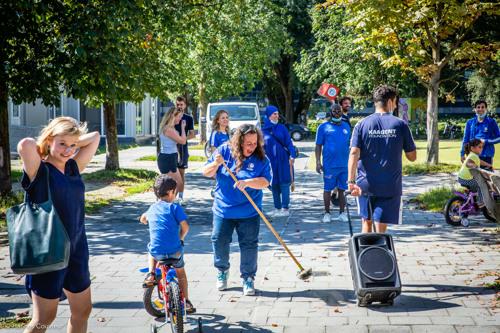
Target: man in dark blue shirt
point(484, 128)
point(182, 164)
point(375, 162)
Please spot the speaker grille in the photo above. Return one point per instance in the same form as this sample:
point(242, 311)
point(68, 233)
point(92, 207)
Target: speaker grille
point(376, 263)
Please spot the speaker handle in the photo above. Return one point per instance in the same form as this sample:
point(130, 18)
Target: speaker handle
point(374, 229)
point(346, 193)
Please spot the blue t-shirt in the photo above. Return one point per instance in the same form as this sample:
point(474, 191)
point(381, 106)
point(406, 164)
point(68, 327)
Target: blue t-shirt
point(486, 130)
point(164, 220)
point(381, 137)
point(217, 138)
point(335, 141)
point(229, 202)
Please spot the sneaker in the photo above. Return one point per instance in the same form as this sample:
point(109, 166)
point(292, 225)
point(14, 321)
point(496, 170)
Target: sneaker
point(342, 217)
point(274, 212)
point(248, 288)
point(285, 212)
point(327, 218)
point(222, 277)
point(190, 309)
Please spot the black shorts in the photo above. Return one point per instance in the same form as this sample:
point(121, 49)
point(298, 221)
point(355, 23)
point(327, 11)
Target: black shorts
point(167, 162)
point(182, 162)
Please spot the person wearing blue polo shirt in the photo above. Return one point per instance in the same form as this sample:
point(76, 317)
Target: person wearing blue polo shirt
point(375, 162)
point(332, 141)
point(484, 128)
point(245, 156)
point(220, 130)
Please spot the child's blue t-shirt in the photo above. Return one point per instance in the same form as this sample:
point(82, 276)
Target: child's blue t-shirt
point(164, 220)
point(381, 138)
point(217, 138)
point(335, 141)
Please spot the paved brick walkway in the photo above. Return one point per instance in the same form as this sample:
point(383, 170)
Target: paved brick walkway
point(442, 269)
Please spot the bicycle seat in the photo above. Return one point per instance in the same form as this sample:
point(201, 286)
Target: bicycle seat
point(168, 261)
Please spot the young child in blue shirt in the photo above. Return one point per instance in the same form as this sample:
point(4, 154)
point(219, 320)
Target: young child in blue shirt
point(167, 229)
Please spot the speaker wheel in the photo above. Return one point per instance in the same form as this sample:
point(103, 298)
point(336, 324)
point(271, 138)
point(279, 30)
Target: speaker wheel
point(362, 302)
point(389, 302)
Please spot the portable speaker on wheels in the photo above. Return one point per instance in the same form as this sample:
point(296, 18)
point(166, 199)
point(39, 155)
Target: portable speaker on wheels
point(374, 268)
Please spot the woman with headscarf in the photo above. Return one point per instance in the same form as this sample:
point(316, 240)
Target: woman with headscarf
point(281, 152)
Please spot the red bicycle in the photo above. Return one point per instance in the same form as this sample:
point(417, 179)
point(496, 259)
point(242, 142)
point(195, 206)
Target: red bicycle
point(165, 298)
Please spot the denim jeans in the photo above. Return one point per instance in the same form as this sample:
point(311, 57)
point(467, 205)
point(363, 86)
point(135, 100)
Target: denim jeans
point(281, 195)
point(248, 238)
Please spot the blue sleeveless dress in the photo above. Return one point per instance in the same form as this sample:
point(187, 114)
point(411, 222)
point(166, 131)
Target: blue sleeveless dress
point(68, 196)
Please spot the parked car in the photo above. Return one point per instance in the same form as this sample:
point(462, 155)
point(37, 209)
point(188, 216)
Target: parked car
point(239, 113)
point(297, 132)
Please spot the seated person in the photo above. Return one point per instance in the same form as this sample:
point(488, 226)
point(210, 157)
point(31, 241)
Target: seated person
point(472, 150)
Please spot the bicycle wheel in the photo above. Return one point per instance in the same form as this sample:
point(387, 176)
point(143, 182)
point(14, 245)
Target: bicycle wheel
point(175, 311)
point(451, 211)
point(153, 302)
point(207, 150)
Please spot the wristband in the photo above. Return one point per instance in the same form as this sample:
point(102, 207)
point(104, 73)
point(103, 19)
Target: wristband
point(351, 182)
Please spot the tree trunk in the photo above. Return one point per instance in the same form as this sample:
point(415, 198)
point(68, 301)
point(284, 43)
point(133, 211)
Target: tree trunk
point(5, 183)
point(432, 119)
point(284, 72)
point(203, 109)
point(112, 161)
point(305, 99)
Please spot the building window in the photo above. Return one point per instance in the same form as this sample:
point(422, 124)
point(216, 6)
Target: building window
point(54, 112)
point(138, 120)
point(16, 111)
point(120, 118)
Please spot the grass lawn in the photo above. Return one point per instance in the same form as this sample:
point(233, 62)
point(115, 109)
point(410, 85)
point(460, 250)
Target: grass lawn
point(14, 322)
point(192, 158)
point(102, 149)
point(434, 199)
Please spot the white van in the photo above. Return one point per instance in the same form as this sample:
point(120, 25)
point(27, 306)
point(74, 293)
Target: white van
point(239, 113)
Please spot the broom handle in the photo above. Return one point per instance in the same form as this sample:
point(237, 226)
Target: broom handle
point(269, 225)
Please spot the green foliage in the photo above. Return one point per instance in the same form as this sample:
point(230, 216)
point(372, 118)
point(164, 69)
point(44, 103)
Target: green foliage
point(484, 85)
point(6, 202)
point(197, 158)
point(15, 175)
point(132, 175)
point(335, 58)
point(313, 125)
point(434, 199)
point(14, 322)
point(92, 206)
point(30, 54)
point(192, 158)
point(147, 158)
point(424, 168)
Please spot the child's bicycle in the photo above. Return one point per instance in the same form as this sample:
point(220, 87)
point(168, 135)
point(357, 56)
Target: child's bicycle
point(461, 206)
point(165, 297)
